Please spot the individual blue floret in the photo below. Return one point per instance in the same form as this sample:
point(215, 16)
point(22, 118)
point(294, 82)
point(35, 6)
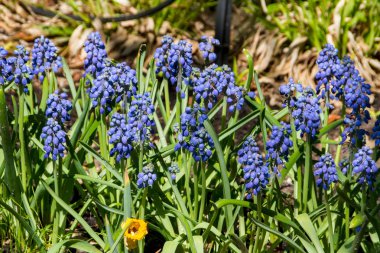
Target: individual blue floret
point(173, 170)
point(44, 57)
point(206, 46)
point(364, 167)
point(120, 136)
point(256, 172)
point(325, 171)
point(170, 57)
point(278, 146)
point(193, 135)
point(96, 57)
point(140, 118)
point(58, 107)
point(146, 177)
point(376, 133)
point(54, 139)
point(306, 113)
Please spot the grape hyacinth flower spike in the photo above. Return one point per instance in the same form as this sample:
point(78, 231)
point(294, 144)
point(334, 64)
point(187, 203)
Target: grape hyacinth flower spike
point(20, 73)
point(44, 57)
point(278, 146)
point(53, 134)
point(172, 57)
point(206, 46)
point(364, 167)
point(58, 107)
point(146, 177)
point(173, 170)
point(325, 171)
point(121, 137)
point(96, 56)
point(288, 92)
point(376, 133)
point(256, 172)
point(193, 135)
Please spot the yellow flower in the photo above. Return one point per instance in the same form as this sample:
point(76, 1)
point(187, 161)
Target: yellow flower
point(135, 231)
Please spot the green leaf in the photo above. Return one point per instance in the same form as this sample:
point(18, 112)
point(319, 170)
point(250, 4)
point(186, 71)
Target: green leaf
point(70, 81)
point(305, 222)
point(280, 235)
point(223, 168)
point(198, 240)
point(346, 247)
point(71, 211)
point(170, 247)
point(76, 244)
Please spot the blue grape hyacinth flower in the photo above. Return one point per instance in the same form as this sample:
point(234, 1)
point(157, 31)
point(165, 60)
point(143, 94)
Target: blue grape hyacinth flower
point(140, 118)
point(193, 136)
point(120, 136)
point(256, 172)
point(96, 57)
point(376, 133)
point(173, 170)
point(6, 68)
point(146, 177)
point(54, 139)
point(329, 73)
point(278, 146)
point(170, 57)
point(306, 113)
point(325, 171)
point(206, 46)
point(288, 92)
point(364, 167)
point(44, 57)
point(20, 72)
point(58, 107)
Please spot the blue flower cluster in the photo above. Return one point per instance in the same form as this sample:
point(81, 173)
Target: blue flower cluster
point(57, 112)
point(306, 113)
point(121, 136)
point(171, 57)
point(329, 72)
point(214, 81)
point(96, 57)
point(44, 57)
point(135, 130)
point(278, 146)
point(288, 92)
point(352, 129)
point(173, 170)
point(146, 177)
point(140, 117)
point(256, 172)
point(376, 133)
point(58, 107)
point(54, 139)
point(206, 46)
point(20, 72)
point(193, 135)
point(111, 85)
point(364, 166)
point(325, 171)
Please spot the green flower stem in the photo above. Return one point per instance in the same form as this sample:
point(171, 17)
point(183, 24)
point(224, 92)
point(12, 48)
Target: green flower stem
point(307, 176)
point(329, 220)
point(178, 96)
point(258, 233)
point(11, 179)
point(22, 139)
point(142, 217)
point(203, 198)
point(224, 113)
point(187, 183)
point(55, 206)
point(127, 198)
point(167, 97)
point(196, 192)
